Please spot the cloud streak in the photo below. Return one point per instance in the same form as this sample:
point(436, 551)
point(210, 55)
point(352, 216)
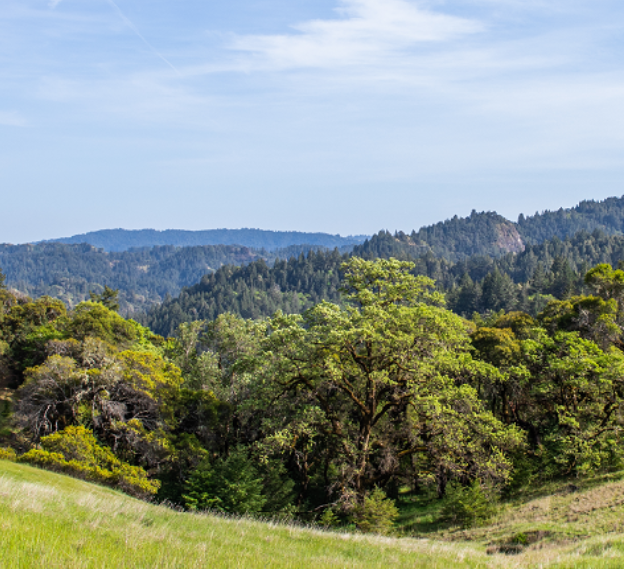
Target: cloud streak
point(367, 31)
point(129, 23)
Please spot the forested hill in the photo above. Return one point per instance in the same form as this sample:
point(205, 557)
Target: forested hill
point(488, 233)
point(143, 276)
point(515, 281)
point(485, 233)
point(254, 291)
point(606, 215)
point(123, 239)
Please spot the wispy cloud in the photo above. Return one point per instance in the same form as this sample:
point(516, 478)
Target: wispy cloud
point(12, 118)
point(129, 23)
point(365, 32)
point(54, 3)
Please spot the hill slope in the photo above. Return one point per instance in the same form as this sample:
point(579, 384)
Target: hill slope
point(554, 267)
point(606, 215)
point(143, 276)
point(55, 521)
point(485, 233)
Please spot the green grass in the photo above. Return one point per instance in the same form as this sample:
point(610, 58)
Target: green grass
point(49, 520)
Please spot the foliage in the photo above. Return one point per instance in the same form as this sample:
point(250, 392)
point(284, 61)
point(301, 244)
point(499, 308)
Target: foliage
point(326, 414)
point(229, 485)
point(7, 453)
point(76, 451)
point(108, 297)
point(96, 320)
point(524, 281)
point(588, 215)
point(144, 277)
point(365, 388)
point(469, 506)
point(376, 513)
point(254, 291)
point(485, 233)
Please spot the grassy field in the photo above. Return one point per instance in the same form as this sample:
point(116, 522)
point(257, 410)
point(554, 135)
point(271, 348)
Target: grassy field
point(49, 520)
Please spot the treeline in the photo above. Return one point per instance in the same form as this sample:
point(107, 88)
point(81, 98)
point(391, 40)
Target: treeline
point(524, 281)
point(606, 215)
point(124, 239)
point(144, 277)
point(489, 234)
point(323, 417)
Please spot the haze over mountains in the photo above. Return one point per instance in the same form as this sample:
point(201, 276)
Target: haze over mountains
point(124, 239)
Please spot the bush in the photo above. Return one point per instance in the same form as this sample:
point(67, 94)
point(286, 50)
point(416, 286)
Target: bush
point(75, 451)
point(7, 454)
point(231, 485)
point(468, 506)
point(376, 514)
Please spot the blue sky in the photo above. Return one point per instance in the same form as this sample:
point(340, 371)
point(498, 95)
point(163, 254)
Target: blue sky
point(344, 116)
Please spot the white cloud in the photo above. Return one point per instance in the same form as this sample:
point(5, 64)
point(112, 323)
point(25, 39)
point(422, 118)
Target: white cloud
point(369, 30)
point(54, 3)
point(12, 118)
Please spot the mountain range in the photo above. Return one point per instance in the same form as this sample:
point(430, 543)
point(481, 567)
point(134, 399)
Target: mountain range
point(150, 267)
point(124, 239)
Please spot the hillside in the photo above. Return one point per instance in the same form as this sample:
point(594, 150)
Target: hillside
point(485, 233)
point(124, 239)
point(56, 521)
point(509, 422)
point(606, 215)
point(515, 281)
point(253, 291)
point(448, 251)
point(144, 277)
point(489, 234)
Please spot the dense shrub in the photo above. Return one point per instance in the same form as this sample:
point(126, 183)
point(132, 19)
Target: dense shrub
point(376, 514)
point(468, 506)
point(7, 454)
point(75, 451)
point(229, 485)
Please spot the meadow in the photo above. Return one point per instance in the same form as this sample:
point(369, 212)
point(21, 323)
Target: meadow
point(50, 520)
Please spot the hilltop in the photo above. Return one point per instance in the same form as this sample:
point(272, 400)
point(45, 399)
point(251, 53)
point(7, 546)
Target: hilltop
point(490, 234)
point(125, 239)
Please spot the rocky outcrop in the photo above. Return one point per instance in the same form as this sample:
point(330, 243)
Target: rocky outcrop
point(509, 239)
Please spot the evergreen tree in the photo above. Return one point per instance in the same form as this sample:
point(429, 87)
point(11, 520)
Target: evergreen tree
point(499, 292)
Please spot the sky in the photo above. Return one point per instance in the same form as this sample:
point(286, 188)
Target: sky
point(341, 116)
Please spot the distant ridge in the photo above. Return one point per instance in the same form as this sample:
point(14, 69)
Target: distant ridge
point(115, 240)
point(492, 235)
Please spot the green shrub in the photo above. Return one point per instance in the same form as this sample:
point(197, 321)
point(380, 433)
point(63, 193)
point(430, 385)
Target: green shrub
point(329, 519)
point(468, 506)
point(376, 513)
point(231, 485)
point(7, 454)
point(94, 319)
point(75, 451)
